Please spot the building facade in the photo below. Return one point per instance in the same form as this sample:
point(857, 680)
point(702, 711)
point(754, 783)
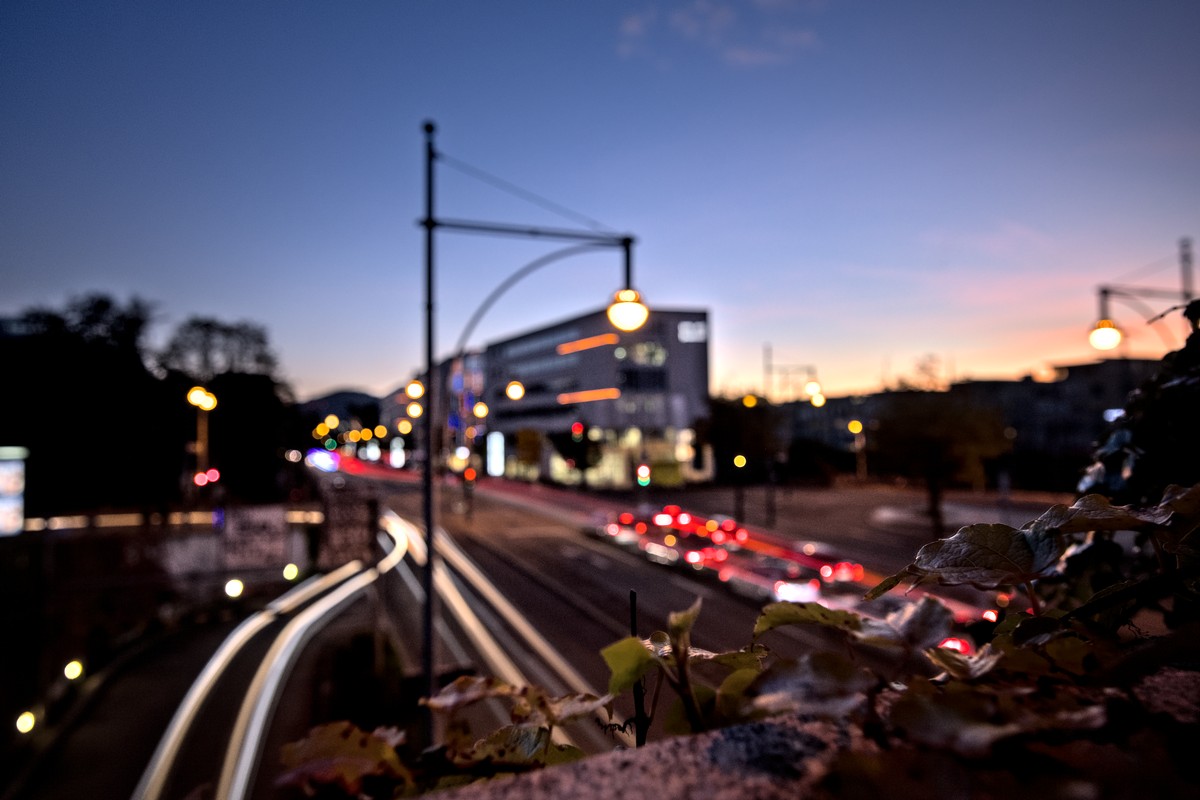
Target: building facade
point(598, 403)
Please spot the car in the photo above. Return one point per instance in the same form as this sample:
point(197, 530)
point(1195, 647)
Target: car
point(769, 579)
point(622, 530)
point(675, 537)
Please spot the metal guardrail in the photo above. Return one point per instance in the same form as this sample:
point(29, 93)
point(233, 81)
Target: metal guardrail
point(154, 778)
point(326, 597)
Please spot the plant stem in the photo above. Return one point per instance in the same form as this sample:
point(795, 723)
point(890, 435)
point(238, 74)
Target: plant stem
point(641, 723)
point(690, 709)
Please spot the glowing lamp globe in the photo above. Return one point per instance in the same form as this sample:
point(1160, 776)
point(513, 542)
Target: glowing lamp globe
point(627, 312)
point(1105, 336)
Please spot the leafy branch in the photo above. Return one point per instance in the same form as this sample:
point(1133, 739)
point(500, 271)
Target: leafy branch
point(1058, 674)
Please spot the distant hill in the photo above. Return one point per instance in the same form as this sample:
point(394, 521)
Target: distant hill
point(345, 404)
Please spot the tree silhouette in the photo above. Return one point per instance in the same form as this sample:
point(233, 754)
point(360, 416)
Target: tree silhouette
point(203, 347)
point(937, 438)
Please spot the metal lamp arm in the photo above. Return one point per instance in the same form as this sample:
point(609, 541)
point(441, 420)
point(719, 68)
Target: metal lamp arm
point(508, 282)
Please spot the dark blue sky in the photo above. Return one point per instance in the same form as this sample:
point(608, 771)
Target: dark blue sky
point(857, 184)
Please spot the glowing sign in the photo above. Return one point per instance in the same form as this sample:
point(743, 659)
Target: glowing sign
point(692, 331)
point(12, 490)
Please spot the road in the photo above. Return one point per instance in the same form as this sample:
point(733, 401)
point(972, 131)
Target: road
point(569, 588)
point(531, 542)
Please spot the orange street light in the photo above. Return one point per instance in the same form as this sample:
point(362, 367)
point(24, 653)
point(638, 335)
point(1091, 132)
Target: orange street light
point(628, 312)
point(1105, 335)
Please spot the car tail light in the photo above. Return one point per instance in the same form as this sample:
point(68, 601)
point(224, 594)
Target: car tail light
point(957, 645)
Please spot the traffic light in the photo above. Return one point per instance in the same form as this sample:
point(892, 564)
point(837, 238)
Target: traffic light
point(469, 474)
point(577, 431)
point(643, 474)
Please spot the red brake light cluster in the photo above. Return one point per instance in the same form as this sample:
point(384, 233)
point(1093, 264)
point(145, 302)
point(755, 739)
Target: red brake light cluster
point(957, 645)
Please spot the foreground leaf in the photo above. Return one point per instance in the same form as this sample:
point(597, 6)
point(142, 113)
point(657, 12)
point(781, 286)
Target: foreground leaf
point(468, 689)
point(964, 667)
point(817, 683)
point(628, 660)
point(341, 754)
point(1095, 512)
point(916, 627)
point(680, 623)
point(517, 748)
point(986, 556)
point(775, 615)
point(970, 723)
point(554, 711)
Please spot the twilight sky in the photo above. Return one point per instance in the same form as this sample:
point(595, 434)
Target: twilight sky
point(855, 184)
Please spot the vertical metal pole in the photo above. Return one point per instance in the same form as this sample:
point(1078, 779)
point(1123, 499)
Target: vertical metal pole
point(201, 440)
point(641, 722)
point(627, 248)
point(1185, 268)
point(766, 371)
point(431, 393)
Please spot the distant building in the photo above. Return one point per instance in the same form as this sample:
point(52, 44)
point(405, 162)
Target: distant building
point(596, 402)
point(1054, 425)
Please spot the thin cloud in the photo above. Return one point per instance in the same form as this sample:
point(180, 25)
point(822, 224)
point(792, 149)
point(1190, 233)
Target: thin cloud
point(1007, 239)
point(756, 35)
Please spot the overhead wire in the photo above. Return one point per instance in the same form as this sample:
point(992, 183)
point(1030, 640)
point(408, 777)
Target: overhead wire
point(524, 194)
point(1146, 269)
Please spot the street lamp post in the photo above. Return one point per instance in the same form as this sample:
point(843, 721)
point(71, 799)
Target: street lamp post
point(204, 401)
point(627, 313)
point(1105, 335)
point(812, 387)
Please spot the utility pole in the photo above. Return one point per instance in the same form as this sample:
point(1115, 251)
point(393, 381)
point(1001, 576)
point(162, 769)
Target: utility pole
point(1185, 269)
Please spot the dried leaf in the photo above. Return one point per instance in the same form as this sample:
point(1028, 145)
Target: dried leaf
point(517, 747)
point(818, 683)
point(343, 754)
point(967, 723)
point(965, 667)
point(1095, 512)
point(971, 722)
point(987, 556)
point(1183, 501)
point(915, 627)
point(469, 689)
point(558, 710)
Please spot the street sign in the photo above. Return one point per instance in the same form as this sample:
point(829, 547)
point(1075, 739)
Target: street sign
point(12, 490)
